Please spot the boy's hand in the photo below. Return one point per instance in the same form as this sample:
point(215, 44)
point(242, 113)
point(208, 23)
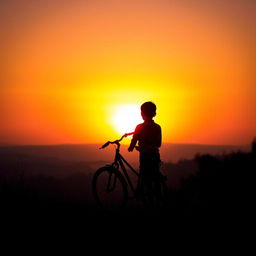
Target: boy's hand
point(137, 148)
point(130, 149)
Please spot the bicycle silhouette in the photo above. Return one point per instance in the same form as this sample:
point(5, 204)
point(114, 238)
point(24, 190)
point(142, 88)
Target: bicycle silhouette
point(112, 185)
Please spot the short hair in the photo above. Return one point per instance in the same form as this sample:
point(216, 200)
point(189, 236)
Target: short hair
point(148, 108)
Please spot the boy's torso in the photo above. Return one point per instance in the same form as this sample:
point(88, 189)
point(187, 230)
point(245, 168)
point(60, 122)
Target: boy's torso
point(149, 136)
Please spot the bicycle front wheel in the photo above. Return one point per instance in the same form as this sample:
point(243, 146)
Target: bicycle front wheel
point(110, 189)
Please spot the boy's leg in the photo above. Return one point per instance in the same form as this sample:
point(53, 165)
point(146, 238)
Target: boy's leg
point(149, 183)
point(156, 178)
point(140, 185)
point(139, 188)
point(145, 179)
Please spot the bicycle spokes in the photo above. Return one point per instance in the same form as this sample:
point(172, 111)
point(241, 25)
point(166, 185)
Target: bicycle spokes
point(111, 182)
point(109, 188)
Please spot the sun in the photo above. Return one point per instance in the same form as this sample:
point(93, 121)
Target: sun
point(126, 117)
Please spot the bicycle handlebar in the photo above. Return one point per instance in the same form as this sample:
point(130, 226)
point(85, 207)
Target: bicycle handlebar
point(116, 141)
point(105, 145)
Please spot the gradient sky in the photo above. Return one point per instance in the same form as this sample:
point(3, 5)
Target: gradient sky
point(68, 67)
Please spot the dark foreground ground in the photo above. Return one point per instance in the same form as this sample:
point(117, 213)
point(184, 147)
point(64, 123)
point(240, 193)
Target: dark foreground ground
point(205, 188)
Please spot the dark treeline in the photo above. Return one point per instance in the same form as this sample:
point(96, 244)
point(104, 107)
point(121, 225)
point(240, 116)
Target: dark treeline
point(207, 186)
point(223, 186)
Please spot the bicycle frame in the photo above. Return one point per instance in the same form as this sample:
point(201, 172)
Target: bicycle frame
point(120, 161)
point(127, 183)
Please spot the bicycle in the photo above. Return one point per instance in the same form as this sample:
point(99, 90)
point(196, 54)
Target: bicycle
point(111, 186)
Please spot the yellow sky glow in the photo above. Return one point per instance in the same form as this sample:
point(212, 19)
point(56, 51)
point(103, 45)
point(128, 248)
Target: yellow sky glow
point(71, 70)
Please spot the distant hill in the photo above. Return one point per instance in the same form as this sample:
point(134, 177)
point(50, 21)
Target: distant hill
point(91, 153)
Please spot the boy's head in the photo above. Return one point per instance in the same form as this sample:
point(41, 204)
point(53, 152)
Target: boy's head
point(148, 110)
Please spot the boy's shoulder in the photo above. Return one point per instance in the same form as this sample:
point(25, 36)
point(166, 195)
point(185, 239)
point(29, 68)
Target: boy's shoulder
point(157, 124)
point(139, 126)
point(158, 127)
point(146, 124)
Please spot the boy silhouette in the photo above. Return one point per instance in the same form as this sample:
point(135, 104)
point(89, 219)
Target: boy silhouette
point(149, 137)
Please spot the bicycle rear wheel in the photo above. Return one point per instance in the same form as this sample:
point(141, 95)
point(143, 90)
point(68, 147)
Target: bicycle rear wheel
point(109, 189)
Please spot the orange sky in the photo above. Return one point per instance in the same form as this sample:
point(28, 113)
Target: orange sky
point(68, 66)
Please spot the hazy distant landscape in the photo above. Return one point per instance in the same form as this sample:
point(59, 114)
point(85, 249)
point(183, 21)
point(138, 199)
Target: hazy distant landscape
point(53, 177)
point(66, 160)
point(90, 153)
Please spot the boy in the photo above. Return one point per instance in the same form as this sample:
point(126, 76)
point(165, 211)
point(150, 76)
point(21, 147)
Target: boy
point(149, 138)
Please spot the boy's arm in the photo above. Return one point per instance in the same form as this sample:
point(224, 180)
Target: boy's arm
point(132, 145)
point(134, 140)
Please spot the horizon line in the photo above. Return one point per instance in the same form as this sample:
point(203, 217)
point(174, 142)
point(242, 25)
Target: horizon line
point(3, 144)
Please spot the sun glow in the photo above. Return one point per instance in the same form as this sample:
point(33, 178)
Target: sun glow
point(126, 117)
point(78, 71)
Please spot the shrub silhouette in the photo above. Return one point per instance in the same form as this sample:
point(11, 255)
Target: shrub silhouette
point(221, 187)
